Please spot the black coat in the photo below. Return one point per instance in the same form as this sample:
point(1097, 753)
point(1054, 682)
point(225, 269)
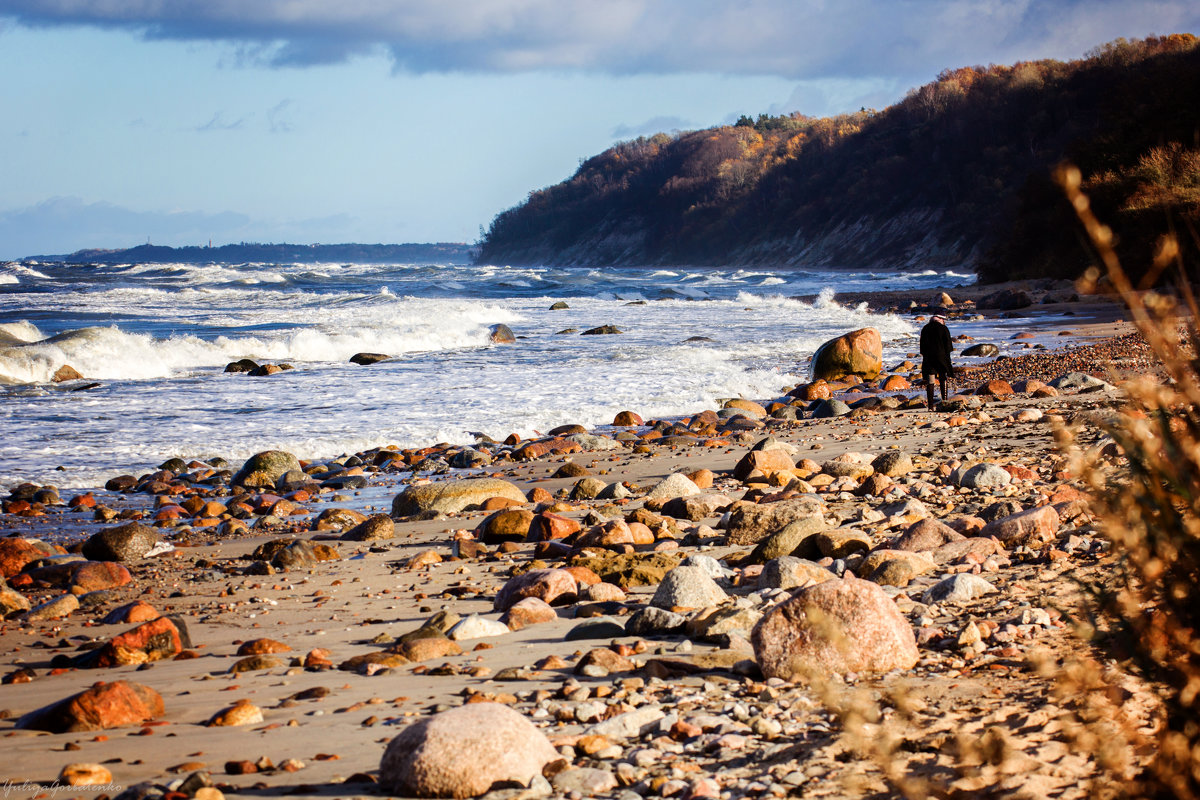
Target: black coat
point(936, 349)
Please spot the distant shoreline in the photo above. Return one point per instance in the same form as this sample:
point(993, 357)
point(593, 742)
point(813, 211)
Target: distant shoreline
point(441, 252)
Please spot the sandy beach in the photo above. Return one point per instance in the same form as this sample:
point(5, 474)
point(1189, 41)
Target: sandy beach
point(307, 646)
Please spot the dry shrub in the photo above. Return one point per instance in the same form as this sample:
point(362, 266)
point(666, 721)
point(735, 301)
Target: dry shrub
point(1147, 609)
point(1130, 701)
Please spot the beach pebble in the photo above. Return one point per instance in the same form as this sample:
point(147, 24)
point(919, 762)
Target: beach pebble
point(652, 621)
point(925, 534)
point(155, 640)
point(985, 476)
point(427, 648)
point(241, 713)
point(675, 485)
point(960, 588)
point(54, 608)
point(463, 751)
point(477, 627)
point(535, 611)
point(375, 528)
point(554, 586)
point(585, 781)
point(84, 775)
point(1032, 527)
point(788, 572)
point(258, 647)
point(893, 464)
point(688, 587)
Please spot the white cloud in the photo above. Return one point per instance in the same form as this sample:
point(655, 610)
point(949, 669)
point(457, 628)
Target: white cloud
point(801, 39)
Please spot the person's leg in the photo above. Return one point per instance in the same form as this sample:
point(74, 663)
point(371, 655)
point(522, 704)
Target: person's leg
point(929, 390)
point(944, 381)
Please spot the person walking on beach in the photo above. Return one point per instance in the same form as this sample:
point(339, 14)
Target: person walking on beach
point(935, 355)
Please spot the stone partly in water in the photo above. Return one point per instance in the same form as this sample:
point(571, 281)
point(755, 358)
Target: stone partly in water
point(858, 354)
point(365, 359)
point(463, 752)
point(501, 334)
point(982, 349)
point(838, 626)
point(263, 469)
point(450, 496)
point(602, 330)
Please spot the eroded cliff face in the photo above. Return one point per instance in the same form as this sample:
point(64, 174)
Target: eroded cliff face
point(912, 240)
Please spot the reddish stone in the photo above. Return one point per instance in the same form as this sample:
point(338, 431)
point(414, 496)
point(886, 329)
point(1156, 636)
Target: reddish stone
point(150, 641)
point(539, 495)
point(1020, 473)
point(529, 611)
point(15, 553)
point(554, 586)
point(104, 706)
point(995, 388)
point(545, 447)
point(82, 501)
point(93, 576)
point(614, 533)
point(1033, 527)
point(169, 513)
point(545, 527)
point(764, 461)
point(896, 383)
point(131, 613)
point(258, 647)
point(627, 419)
point(583, 576)
point(318, 658)
point(498, 503)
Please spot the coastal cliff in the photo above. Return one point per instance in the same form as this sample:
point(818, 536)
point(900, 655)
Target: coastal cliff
point(955, 175)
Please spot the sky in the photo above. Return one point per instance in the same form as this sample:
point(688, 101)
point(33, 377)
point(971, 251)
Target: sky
point(179, 122)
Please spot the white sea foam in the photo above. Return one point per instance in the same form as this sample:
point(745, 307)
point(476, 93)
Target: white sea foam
point(156, 337)
point(9, 280)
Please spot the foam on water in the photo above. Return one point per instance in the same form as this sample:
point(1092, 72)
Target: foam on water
point(157, 336)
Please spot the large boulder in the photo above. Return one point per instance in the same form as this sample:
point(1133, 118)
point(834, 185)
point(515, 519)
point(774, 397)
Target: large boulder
point(463, 752)
point(838, 626)
point(858, 353)
point(125, 543)
point(263, 469)
point(104, 706)
point(450, 496)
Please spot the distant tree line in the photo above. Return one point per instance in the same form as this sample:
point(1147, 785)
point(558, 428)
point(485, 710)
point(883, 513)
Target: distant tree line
point(249, 252)
point(957, 173)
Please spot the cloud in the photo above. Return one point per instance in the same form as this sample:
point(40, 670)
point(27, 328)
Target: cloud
point(652, 126)
point(277, 117)
point(66, 224)
point(799, 39)
point(219, 123)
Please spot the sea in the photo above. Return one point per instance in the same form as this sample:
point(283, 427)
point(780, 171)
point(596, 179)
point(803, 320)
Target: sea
point(153, 340)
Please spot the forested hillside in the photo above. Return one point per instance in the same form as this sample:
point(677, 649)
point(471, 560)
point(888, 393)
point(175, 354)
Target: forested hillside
point(956, 174)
